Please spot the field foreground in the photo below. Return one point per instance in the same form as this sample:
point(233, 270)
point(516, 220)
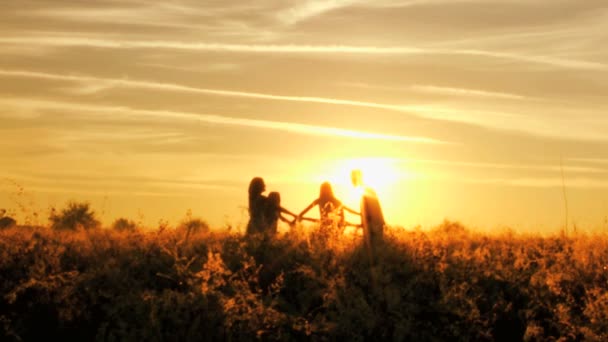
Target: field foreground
point(444, 284)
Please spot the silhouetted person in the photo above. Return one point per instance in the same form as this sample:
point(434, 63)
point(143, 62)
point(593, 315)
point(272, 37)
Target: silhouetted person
point(372, 219)
point(274, 212)
point(329, 206)
point(257, 206)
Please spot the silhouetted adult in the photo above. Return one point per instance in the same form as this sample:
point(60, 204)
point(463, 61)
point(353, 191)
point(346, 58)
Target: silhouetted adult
point(257, 206)
point(329, 206)
point(274, 212)
point(372, 219)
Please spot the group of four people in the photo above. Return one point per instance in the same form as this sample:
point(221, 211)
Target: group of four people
point(266, 211)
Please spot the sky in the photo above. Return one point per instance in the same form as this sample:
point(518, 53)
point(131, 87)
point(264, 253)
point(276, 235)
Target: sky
point(492, 113)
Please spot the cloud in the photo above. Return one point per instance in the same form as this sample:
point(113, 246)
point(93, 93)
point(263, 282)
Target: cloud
point(304, 10)
point(465, 92)
point(207, 68)
point(307, 9)
point(503, 166)
point(131, 136)
point(554, 182)
point(431, 89)
point(139, 16)
point(531, 124)
point(60, 181)
point(95, 84)
point(127, 112)
point(551, 61)
point(591, 160)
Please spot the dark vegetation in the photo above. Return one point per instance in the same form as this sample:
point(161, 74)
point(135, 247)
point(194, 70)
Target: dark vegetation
point(75, 281)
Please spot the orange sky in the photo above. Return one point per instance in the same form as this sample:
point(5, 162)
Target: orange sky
point(150, 108)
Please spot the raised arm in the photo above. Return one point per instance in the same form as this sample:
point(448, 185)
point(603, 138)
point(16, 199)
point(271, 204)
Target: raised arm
point(310, 219)
point(351, 210)
point(310, 206)
point(284, 219)
point(283, 210)
point(349, 224)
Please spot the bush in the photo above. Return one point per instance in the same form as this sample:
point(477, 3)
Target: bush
point(6, 221)
point(124, 225)
point(75, 216)
point(446, 284)
point(194, 226)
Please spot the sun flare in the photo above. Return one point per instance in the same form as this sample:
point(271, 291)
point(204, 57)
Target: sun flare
point(381, 174)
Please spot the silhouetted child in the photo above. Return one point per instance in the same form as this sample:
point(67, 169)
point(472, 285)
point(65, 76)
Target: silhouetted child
point(274, 213)
point(257, 206)
point(329, 206)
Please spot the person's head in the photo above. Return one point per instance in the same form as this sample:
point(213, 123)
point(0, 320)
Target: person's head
point(326, 192)
point(256, 186)
point(356, 177)
point(274, 198)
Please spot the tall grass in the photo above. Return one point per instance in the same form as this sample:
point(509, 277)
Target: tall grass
point(191, 285)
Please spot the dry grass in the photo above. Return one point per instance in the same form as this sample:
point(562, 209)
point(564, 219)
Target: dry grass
point(179, 284)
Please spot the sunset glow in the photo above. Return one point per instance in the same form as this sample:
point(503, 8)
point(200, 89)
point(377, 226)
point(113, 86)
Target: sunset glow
point(381, 174)
point(290, 170)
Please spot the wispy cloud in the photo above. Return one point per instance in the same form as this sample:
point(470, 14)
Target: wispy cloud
point(94, 84)
point(486, 118)
point(591, 160)
point(505, 166)
point(566, 63)
point(207, 68)
point(127, 112)
point(79, 190)
point(466, 92)
point(431, 89)
point(304, 10)
point(307, 9)
point(131, 136)
point(550, 182)
point(140, 16)
point(552, 61)
point(112, 184)
point(203, 46)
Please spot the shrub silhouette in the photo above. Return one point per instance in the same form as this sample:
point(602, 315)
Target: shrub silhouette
point(6, 221)
point(75, 216)
point(124, 225)
point(193, 226)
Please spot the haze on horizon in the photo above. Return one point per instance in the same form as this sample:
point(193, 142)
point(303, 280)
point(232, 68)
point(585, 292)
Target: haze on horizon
point(150, 108)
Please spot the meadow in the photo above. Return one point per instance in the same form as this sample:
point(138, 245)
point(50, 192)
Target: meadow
point(192, 283)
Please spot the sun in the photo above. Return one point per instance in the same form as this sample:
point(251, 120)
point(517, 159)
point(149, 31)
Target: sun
point(379, 173)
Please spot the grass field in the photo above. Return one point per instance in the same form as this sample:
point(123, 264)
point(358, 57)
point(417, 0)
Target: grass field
point(165, 284)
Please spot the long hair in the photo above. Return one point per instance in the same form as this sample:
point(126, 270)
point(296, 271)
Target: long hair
point(274, 198)
point(326, 193)
point(256, 188)
point(328, 203)
point(273, 206)
point(272, 213)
